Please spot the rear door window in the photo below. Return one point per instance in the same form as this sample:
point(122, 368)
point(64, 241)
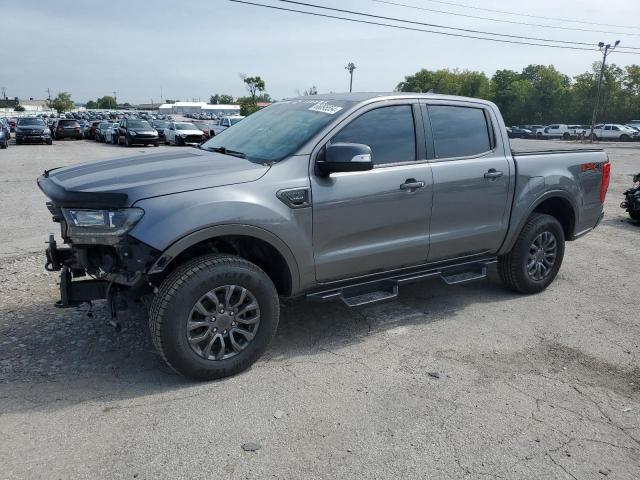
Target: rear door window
point(459, 131)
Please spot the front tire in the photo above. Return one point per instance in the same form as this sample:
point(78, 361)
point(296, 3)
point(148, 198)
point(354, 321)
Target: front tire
point(635, 215)
point(214, 316)
point(535, 259)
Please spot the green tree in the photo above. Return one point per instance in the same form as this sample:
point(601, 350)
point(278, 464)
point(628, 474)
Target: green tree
point(91, 105)
point(221, 98)
point(19, 108)
point(254, 85)
point(107, 102)
point(448, 82)
point(62, 102)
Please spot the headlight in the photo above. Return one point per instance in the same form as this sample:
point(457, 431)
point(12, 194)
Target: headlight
point(46, 132)
point(100, 226)
point(133, 134)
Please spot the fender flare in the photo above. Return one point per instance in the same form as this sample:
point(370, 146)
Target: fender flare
point(513, 233)
point(193, 238)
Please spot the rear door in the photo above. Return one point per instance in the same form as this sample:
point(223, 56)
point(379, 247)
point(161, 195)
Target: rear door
point(370, 221)
point(471, 175)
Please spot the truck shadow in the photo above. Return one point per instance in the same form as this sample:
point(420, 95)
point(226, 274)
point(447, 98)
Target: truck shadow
point(68, 358)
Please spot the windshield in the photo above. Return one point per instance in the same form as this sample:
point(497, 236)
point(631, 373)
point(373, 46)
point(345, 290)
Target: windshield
point(235, 120)
point(273, 133)
point(30, 121)
point(160, 124)
point(186, 126)
point(138, 124)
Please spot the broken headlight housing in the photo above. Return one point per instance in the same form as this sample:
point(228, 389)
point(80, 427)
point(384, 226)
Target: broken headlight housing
point(100, 226)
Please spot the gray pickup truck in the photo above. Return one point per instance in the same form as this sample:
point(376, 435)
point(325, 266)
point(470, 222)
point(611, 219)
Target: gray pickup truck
point(344, 196)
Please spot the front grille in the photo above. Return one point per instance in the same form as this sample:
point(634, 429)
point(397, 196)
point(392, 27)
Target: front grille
point(193, 138)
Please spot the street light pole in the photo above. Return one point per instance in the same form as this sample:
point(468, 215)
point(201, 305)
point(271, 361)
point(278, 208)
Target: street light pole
point(350, 68)
point(606, 50)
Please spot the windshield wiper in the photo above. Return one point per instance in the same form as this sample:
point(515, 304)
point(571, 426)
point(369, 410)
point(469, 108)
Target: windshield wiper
point(226, 151)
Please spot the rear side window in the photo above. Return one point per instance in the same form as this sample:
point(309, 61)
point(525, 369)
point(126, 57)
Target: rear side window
point(459, 131)
point(69, 123)
point(389, 131)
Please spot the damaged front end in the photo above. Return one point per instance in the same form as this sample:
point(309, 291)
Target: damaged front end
point(100, 260)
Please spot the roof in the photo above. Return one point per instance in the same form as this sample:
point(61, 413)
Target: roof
point(364, 96)
point(221, 107)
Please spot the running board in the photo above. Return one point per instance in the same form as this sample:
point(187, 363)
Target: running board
point(383, 289)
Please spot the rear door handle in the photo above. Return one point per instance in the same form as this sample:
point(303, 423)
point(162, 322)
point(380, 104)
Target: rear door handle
point(492, 174)
point(412, 184)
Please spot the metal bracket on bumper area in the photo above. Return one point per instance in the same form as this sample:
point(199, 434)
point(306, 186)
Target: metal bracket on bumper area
point(75, 293)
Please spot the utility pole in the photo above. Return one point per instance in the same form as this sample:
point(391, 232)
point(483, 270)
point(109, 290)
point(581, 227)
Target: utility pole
point(606, 50)
point(350, 68)
point(115, 98)
point(161, 97)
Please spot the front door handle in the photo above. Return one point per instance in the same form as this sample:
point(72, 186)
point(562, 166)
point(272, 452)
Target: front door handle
point(492, 174)
point(412, 184)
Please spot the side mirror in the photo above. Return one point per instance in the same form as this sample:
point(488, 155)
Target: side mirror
point(345, 157)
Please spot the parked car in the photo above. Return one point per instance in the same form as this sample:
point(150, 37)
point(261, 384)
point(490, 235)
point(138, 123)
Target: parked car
point(182, 133)
point(32, 130)
point(612, 131)
point(206, 126)
point(518, 132)
point(101, 132)
point(5, 133)
point(111, 134)
point(90, 132)
point(66, 128)
point(224, 123)
point(556, 131)
point(134, 131)
point(160, 125)
point(635, 123)
point(215, 236)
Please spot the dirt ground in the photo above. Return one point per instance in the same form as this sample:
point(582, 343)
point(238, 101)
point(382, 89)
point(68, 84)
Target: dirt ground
point(447, 382)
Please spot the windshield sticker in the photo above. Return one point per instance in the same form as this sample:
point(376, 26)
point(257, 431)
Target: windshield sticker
point(325, 107)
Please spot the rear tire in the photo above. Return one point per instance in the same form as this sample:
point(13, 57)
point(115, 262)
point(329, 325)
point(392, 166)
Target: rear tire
point(127, 142)
point(566, 136)
point(192, 285)
point(635, 215)
point(625, 138)
point(532, 264)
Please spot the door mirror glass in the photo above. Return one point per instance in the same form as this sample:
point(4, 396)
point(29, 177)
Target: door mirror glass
point(345, 157)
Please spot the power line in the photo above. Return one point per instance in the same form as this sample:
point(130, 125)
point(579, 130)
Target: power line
point(400, 27)
point(501, 20)
point(556, 19)
point(466, 30)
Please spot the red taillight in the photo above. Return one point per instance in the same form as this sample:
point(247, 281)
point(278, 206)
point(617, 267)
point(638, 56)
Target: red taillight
point(604, 185)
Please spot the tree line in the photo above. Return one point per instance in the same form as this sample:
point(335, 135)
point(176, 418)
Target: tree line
point(540, 94)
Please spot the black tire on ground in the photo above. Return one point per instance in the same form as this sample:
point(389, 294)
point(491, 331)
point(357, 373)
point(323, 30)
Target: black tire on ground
point(127, 142)
point(635, 215)
point(166, 142)
point(625, 138)
point(4, 145)
point(18, 142)
point(513, 266)
point(49, 142)
point(566, 136)
point(539, 136)
point(179, 293)
point(155, 144)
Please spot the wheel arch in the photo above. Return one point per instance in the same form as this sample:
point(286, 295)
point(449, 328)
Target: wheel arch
point(559, 205)
point(255, 244)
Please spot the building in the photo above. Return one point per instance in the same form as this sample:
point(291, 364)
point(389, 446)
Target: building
point(181, 108)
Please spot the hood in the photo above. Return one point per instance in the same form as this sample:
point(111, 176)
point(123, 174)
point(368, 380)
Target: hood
point(188, 132)
point(123, 181)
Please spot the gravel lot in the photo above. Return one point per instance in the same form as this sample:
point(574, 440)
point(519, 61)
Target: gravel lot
point(448, 382)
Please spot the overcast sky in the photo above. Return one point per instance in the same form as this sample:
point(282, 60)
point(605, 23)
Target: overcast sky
point(193, 48)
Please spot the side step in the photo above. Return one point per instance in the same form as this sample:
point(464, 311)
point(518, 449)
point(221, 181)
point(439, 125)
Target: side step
point(386, 288)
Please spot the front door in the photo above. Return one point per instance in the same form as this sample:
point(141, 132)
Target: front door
point(471, 175)
point(376, 220)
